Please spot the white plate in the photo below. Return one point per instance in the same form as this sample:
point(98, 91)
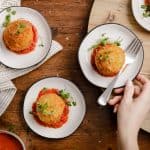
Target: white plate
point(14, 60)
point(138, 14)
point(113, 31)
point(76, 113)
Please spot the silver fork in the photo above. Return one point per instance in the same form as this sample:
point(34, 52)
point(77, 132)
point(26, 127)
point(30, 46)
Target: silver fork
point(131, 53)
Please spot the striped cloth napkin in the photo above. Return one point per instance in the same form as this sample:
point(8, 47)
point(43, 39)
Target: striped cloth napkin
point(7, 88)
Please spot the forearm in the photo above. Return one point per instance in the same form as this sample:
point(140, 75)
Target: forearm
point(127, 141)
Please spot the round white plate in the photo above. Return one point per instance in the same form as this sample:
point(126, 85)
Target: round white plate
point(113, 31)
point(17, 61)
point(76, 113)
point(138, 14)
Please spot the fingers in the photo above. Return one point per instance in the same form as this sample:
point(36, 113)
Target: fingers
point(142, 79)
point(115, 100)
point(115, 108)
point(119, 90)
point(137, 90)
point(128, 92)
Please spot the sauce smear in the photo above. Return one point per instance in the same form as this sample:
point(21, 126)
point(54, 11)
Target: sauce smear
point(8, 142)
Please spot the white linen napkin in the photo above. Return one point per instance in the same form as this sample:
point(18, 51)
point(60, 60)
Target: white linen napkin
point(7, 88)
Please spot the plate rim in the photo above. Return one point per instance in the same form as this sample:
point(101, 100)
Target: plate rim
point(138, 22)
point(84, 102)
point(92, 31)
point(50, 44)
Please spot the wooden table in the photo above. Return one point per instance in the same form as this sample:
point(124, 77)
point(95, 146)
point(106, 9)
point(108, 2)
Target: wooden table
point(69, 20)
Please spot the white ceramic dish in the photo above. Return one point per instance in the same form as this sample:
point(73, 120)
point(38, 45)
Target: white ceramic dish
point(16, 137)
point(138, 14)
point(76, 113)
point(14, 60)
point(113, 31)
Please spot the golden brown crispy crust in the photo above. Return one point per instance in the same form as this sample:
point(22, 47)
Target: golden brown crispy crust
point(109, 59)
point(18, 35)
point(55, 108)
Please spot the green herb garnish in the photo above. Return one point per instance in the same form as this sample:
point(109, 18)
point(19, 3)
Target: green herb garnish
point(73, 103)
point(30, 112)
point(8, 9)
point(104, 41)
point(104, 56)
point(64, 94)
point(146, 10)
point(11, 128)
point(44, 88)
point(20, 29)
point(41, 45)
point(13, 12)
point(118, 42)
point(42, 108)
point(8, 17)
point(69, 103)
point(7, 20)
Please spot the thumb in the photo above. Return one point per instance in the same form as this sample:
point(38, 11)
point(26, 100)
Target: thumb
point(129, 91)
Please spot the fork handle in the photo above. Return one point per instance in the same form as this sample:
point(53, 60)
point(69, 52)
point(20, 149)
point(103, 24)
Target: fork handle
point(104, 98)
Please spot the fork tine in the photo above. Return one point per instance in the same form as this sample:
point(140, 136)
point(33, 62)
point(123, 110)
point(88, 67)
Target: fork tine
point(132, 45)
point(137, 48)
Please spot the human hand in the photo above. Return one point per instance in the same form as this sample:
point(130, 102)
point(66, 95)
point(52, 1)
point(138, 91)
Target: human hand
point(132, 108)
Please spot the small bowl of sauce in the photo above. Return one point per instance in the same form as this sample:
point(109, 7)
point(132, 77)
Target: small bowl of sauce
point(10, 141)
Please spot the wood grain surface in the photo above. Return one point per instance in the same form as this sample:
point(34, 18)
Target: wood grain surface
point(69, 21)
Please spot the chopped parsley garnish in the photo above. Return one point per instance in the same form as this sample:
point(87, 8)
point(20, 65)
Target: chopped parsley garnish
point(44, 88)
point(42, 108)
point(118, 41)
point(146, 10)
point(73, 103)
point(64, 94)
point(20, 29)
point(7, 20)
point(11, 128)
point(13, 12)
point(8, 9)
point(41, 45)
point(69, 103)
point(104, 40)
point(8, 16)
point(104, 56)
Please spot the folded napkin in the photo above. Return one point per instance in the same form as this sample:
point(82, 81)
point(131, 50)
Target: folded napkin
point(7, 88)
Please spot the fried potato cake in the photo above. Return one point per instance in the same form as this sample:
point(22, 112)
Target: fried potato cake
point(18, 35)
point(109, 59)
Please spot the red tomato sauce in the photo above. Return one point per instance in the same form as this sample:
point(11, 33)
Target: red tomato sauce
point(33, 44)
point(8, 142)
point(64, 116)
